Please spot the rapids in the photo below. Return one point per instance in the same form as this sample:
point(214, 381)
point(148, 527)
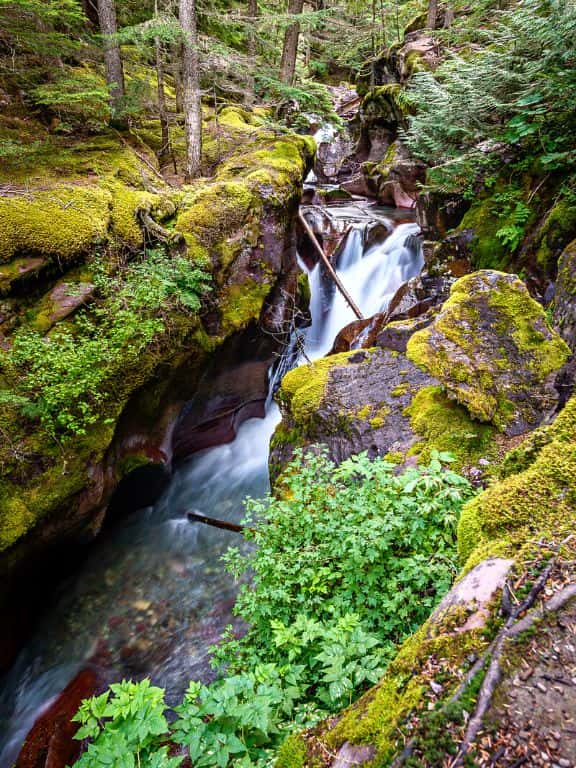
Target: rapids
point(152, 596)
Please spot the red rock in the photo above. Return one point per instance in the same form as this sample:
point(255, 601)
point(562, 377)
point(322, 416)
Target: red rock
point(50, 742)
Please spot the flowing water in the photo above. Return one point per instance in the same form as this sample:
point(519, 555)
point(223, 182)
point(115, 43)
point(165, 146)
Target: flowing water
point(153, 596)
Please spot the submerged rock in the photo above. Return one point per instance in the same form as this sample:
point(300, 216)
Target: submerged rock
point(493, 350)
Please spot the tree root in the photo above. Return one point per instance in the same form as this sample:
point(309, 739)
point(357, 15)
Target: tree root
point(157, 231)
point(492, 656)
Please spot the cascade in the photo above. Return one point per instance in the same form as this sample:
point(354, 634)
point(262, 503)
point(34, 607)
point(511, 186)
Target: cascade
point(152, 597)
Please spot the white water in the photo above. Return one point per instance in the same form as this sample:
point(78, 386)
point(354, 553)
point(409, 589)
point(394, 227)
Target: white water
point(156, 585)
point(371, 278)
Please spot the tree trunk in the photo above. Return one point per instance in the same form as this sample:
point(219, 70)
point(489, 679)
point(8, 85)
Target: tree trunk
point(112, 57)
point(177, 75)
point(165, 148)
point(449, 18)
point(290, 48)
point(251, 48)
point(192, 96)
point(432, 14)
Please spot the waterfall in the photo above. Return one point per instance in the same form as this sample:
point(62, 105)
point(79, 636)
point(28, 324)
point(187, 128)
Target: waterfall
point(153, 596)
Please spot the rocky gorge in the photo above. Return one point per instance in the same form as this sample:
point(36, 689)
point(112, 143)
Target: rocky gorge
point(464, 349)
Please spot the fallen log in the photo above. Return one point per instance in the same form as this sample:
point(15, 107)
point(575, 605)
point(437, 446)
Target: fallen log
point(197, 517)
point(329, 267)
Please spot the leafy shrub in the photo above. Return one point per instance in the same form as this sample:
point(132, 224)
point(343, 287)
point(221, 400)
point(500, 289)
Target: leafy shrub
point(516, 85)
point(125, 728)
point(346, 564)
point(357, 538)
point(78, 97)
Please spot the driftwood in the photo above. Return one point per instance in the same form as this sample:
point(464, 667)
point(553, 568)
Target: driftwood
point(197, 517)
point(329, 267)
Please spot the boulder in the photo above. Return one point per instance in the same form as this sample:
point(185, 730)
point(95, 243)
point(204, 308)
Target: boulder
point(350, 402)
point(494, 352)
point(565, 299)
point(397, 177)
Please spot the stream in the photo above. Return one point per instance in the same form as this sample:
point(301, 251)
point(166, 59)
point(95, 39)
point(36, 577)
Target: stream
point(152, 595)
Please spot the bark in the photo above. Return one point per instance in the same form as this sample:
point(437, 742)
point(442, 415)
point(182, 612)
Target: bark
point(290, 47)
point(112, 57)
point(177, 75)
point(449, 18)
point(192, 96)
point(165, 150)
point(251, 47)
point(432, 14)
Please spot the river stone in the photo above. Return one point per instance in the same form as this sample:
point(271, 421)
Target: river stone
point(351, 402)
point(493, 350)
point(565, 300)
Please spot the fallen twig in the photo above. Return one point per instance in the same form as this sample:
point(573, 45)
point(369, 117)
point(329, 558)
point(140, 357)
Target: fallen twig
point(330, 268)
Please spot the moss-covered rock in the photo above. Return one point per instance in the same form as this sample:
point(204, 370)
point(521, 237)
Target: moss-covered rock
point(535, 502)
point(349, 402)
point(63, 223)
point(447, 426)
point(239, 223)
point(493, 350)
point(505, 535)
point(554, 234)
point(565, 299)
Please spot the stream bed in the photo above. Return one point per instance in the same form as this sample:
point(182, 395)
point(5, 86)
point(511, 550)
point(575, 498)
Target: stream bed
point(153, 596)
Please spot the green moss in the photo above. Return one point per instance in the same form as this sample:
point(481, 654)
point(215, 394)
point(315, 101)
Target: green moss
point(210, 212)
point(292, 753)
point(242, 303)
point(364, 412)
point(376, 718)
point(303, 388)
point(400, 389)
point(558, 229)
point(62, 223)
point(22, 506)
point(459, 347)
point(446, 426)
point(487, 251)
point(536, 503)
point(239, 118)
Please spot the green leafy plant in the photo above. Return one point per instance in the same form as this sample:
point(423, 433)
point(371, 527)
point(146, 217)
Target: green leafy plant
point(358, 538)
point(345, 564)
point(125, 725)
point(66, 378)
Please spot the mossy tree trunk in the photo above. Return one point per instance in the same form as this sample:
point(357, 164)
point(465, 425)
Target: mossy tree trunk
point(290, 47)
point(112, 56)
point(432, 14)
point(192, 96)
